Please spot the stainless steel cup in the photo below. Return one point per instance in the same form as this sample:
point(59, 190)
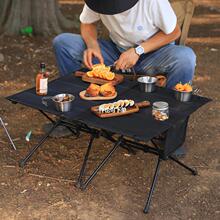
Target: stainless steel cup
point(60, 104)
point(147, 83)
point(183, 96)
point(59, 101)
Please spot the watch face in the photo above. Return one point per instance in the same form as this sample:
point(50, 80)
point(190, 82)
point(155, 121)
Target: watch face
point(139, 50)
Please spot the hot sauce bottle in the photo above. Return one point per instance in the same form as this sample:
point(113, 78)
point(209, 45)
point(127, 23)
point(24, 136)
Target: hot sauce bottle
point(42, 80)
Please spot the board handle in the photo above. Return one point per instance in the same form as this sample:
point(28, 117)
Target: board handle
point(79, 74)
point(143, 104)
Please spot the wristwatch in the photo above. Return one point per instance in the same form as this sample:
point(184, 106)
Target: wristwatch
point(139, 50)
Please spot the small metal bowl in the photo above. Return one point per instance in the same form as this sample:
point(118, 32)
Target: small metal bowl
point(147, 83)
point(183, 96)
point(62, 102)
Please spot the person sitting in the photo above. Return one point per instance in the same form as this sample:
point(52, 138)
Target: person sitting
point(142, 36)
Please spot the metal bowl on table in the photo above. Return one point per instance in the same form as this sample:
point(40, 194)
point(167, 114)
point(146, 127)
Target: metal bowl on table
point(183, 96)
point(147, 83)
point(63, 102)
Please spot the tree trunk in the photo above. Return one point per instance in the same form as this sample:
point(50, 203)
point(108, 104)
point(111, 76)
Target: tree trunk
point(44, 16)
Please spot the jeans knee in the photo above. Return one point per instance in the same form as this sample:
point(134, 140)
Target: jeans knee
point(67, 40)
point(58, 40)
point(190, 57)
point(187, 58)
point(182, 68)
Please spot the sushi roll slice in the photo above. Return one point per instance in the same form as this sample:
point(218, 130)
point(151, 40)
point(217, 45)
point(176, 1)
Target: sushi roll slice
point(106, 108)
point(101, 108)
point(119, 110)
point(116, 104)
point(107, 111)
point(122, 103)
point(126, 102)
point(123, 109)
point(131, 102)
point(111, 107)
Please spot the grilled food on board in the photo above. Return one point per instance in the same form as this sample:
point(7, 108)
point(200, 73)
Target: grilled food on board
point(106, 90)
point(101, 71)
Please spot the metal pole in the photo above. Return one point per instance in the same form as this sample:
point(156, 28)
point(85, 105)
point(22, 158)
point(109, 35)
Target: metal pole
point(117, 144)
point(194, 172)
point(31, 152)
point(6, 131)
point(147, 206)
point(82, 171)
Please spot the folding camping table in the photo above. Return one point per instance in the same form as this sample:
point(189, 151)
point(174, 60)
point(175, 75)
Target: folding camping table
point(130, 132)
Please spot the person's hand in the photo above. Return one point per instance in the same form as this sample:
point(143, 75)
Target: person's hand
point(89, 53)
point(127, 60)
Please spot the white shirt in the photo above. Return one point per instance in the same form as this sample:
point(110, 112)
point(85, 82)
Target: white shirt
point(138, 24)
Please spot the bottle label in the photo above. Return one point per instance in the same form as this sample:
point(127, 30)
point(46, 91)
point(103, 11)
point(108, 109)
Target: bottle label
point(43, 86)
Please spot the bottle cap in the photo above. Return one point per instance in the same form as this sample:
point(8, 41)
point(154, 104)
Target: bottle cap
point(42, 65)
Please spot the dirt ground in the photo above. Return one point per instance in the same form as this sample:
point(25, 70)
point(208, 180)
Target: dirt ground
point(44, 189)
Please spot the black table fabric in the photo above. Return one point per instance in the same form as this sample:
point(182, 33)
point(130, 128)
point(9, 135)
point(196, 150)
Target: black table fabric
point(68, 84)
point(140, 126)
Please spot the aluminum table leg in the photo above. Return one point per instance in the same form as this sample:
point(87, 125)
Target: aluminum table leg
point(194, 172)
point(31, 152)
point(104, 161)
point(82, 171)
point(147, 206)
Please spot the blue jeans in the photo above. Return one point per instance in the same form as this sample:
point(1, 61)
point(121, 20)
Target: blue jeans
point(176, 62)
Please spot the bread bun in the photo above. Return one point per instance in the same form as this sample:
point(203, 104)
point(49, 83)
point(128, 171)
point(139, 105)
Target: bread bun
point(93, 90)
point(107, 90)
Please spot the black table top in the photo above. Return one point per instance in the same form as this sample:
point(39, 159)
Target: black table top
point(141, 126)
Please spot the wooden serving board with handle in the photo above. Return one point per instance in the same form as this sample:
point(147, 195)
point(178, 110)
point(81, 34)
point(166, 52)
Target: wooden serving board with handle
point(118, 79)
point(82, 95)
point(131, 110)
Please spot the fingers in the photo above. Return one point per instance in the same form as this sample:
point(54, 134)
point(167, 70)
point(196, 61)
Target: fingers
point(99, 56)
point(122, 64)
point(118, 65)
point(129, 66)
point(89, 58)
point(88, 55)
point(127, 60)
point(85, 59)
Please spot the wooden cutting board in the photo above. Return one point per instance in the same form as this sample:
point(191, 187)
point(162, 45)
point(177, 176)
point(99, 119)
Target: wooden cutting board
point(96, 98)
point(118, 78)
point(131, 110)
